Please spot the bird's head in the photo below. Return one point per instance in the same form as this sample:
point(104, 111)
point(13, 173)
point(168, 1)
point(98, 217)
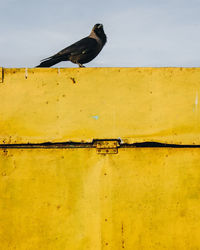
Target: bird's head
point(98, 30)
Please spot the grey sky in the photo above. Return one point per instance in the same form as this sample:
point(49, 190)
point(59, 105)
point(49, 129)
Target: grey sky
point(140, 33)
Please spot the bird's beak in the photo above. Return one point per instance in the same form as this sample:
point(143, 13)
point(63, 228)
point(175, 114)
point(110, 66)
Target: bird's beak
point(99, 26)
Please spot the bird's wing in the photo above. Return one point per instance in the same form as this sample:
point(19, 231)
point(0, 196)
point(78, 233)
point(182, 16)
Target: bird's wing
point(85, 46)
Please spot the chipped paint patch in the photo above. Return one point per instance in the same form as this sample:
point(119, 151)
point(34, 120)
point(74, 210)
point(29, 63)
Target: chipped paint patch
point(96, 117)
point(196, 100)
point(121, 140)
point(26, 73)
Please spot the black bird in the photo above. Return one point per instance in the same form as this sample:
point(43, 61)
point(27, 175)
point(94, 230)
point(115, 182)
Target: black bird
point(80, 52)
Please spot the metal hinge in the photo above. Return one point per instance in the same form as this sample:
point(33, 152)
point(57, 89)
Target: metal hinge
point(107, 146)
point(1, 74)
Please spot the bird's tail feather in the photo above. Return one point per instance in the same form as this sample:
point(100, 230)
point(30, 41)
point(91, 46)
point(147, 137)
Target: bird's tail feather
point(48, 62)
point(45, 59)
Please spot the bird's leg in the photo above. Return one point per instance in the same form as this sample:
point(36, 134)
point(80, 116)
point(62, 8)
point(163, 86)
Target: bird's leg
point(81, 65)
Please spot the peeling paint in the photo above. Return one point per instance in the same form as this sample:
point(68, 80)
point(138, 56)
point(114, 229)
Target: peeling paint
point(121, 140)
point(26, 73)
point(196, 100)
point(96, 117)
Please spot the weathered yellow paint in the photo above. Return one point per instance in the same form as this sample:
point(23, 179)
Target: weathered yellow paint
point(123, 197)
point(135, 104)
point(1, 74)
point(140, 198)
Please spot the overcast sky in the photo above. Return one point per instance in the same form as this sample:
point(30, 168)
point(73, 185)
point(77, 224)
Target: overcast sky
point(140, 33)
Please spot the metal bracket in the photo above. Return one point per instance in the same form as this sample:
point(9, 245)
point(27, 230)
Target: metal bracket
point(107, 146)
point(1, 74)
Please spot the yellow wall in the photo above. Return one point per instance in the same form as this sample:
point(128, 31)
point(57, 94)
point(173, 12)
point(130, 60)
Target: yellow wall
point(140, 198)
point(135, 104)
point(77, 199)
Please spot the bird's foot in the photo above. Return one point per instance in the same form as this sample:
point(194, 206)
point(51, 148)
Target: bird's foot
point(81, 65)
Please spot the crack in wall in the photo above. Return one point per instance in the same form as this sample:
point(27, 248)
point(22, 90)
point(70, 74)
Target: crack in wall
point(93, 145)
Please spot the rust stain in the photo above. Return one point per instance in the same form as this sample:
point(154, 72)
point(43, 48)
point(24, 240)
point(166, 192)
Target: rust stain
point(123, 244)
point(73, 80)
point(5, 152)
point(3, 174)
point(122, 233)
